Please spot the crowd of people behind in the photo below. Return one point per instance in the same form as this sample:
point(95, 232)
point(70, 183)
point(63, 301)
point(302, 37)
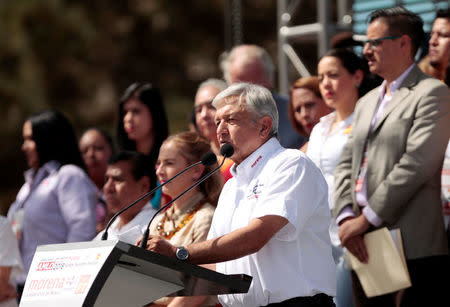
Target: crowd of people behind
point(360, 155)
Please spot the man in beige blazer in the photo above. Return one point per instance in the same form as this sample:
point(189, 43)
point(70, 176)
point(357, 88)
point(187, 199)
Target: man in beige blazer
point(389, 173)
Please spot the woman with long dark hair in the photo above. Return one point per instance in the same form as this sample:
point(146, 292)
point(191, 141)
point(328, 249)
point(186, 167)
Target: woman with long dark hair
point(57, 202)
point(142, 124)
point(342, 81)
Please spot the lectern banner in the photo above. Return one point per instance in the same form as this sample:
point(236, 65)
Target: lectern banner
point(114, 273)
point(64, 275)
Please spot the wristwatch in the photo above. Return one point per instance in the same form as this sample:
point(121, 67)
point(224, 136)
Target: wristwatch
point(182, 253)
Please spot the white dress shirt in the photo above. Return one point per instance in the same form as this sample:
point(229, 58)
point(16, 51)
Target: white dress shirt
point(131, 231)
point(297, 260)
point(325, 149)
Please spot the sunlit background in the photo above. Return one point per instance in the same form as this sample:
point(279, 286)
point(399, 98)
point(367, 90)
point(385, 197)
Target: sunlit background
point(79, 56)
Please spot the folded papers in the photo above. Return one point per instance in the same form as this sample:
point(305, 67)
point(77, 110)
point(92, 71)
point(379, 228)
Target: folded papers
point(386, 270)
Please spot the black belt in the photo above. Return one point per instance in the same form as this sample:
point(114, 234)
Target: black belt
point(317, 300)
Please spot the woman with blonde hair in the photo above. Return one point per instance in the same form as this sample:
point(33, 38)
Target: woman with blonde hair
point(189, 218)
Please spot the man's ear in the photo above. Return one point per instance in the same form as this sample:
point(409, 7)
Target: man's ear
point(145, 183)
point(405, 41)
point(265, 125)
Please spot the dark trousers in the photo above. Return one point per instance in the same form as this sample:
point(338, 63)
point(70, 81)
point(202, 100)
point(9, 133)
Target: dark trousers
point(429, 279)
point(318, 300)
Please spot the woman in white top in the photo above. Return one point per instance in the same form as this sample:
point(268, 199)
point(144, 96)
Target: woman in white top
point(341, 75)
point(10, 264)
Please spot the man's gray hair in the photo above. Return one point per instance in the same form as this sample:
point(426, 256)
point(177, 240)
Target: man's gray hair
point(255, 98)
point(252, 52)
point(213, 82)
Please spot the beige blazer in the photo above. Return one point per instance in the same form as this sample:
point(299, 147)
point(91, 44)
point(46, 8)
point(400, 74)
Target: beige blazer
point(405, 155)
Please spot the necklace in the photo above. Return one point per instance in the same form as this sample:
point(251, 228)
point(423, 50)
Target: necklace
point(187, 217)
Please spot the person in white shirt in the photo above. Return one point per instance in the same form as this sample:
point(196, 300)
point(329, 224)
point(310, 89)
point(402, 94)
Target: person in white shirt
point(341, 83)
point(127, 178)
point(272, 217)
point(10, 264)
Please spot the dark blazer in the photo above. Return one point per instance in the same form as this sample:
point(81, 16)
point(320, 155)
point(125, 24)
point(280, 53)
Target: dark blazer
point(405, 155)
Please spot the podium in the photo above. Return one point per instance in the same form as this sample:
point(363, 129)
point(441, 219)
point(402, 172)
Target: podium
point(114, 273)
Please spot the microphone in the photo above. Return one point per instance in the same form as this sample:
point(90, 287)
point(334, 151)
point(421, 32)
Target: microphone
point(208, 159)
point(226, 151)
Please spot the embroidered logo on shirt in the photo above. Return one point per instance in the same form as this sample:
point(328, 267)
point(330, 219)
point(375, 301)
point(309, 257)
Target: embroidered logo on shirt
point(255, 191)
point(256, 161)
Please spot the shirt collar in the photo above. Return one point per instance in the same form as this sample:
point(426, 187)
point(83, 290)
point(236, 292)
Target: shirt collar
point(43, 171)
point(115, 224)
point(329, 119)
point(247, 168)
point(395, 85)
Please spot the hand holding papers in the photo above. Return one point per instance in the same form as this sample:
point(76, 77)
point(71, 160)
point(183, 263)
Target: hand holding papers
point(386, 270)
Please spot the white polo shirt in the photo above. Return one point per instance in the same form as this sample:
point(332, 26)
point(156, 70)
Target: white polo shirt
point(297, 261)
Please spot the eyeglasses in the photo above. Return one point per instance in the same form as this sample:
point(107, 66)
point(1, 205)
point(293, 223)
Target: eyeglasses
point(376, 42)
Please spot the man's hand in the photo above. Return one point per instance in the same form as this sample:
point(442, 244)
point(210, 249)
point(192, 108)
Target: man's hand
point(350, 234)
point(158, 245)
